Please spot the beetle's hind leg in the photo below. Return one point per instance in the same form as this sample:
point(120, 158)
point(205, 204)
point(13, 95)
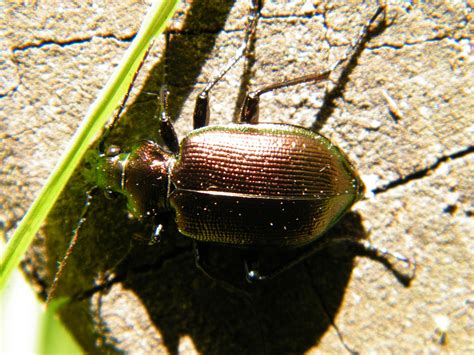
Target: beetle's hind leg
point(388, 258)
point(382, 255)
point(201, 109)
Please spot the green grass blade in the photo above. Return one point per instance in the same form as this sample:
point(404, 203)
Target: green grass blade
point(153, 25)
point(53, 337)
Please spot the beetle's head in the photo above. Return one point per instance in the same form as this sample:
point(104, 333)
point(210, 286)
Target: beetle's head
point(142, 176)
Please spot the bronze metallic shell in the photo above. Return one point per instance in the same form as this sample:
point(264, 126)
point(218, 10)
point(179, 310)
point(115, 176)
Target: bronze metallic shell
point(260, 185)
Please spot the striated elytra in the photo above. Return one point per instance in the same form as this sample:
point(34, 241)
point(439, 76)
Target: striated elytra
point(266, 185)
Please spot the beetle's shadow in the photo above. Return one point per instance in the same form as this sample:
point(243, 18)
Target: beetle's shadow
point(288, 314)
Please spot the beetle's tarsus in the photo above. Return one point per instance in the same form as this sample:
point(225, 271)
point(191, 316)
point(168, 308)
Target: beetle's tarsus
point(384, 255)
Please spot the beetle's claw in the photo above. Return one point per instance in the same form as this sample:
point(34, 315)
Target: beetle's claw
point(252, 276)
point(411, 265)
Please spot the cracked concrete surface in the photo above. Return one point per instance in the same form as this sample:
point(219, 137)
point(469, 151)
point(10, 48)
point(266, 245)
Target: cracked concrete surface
point(403, 114)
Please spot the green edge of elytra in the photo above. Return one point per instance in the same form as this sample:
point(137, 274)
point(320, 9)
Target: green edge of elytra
point(98, 114)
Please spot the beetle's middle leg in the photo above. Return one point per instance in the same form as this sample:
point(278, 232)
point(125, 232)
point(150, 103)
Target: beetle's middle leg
point(167, 132)
point(200, 255)
point(201, 109)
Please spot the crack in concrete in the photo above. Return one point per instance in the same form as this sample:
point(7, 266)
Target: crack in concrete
point(308, 15)
point(71, 42)
point(323, 14)
point(197, 32)
point(420, 174)
point(415, 43)
point(326, 27)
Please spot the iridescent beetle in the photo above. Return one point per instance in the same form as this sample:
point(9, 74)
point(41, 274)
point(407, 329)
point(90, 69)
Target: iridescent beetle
point(246, 185)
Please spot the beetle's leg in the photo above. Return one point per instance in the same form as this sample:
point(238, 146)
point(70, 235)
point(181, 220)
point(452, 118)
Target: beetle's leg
point(383, 255)
point(201, 264)
point(325, 310)
point(203, 267)
point(249, 113)
point(167, 132)
point(201, 109)
point(156, 234)
point(379, 254)
point(252, 266)
point(154, 237)
point(72, 243)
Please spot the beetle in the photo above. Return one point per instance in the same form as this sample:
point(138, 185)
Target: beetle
point(243, 185)
point(257, 187)
point(247, 185)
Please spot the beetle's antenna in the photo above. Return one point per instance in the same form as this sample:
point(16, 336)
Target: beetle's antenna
point(75, 234)
point(122, 106)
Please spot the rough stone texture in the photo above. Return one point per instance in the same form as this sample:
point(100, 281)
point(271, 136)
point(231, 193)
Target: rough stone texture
point(402, 112)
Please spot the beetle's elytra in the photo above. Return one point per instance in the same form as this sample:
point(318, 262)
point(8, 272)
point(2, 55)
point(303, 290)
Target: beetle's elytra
point(266, 185)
